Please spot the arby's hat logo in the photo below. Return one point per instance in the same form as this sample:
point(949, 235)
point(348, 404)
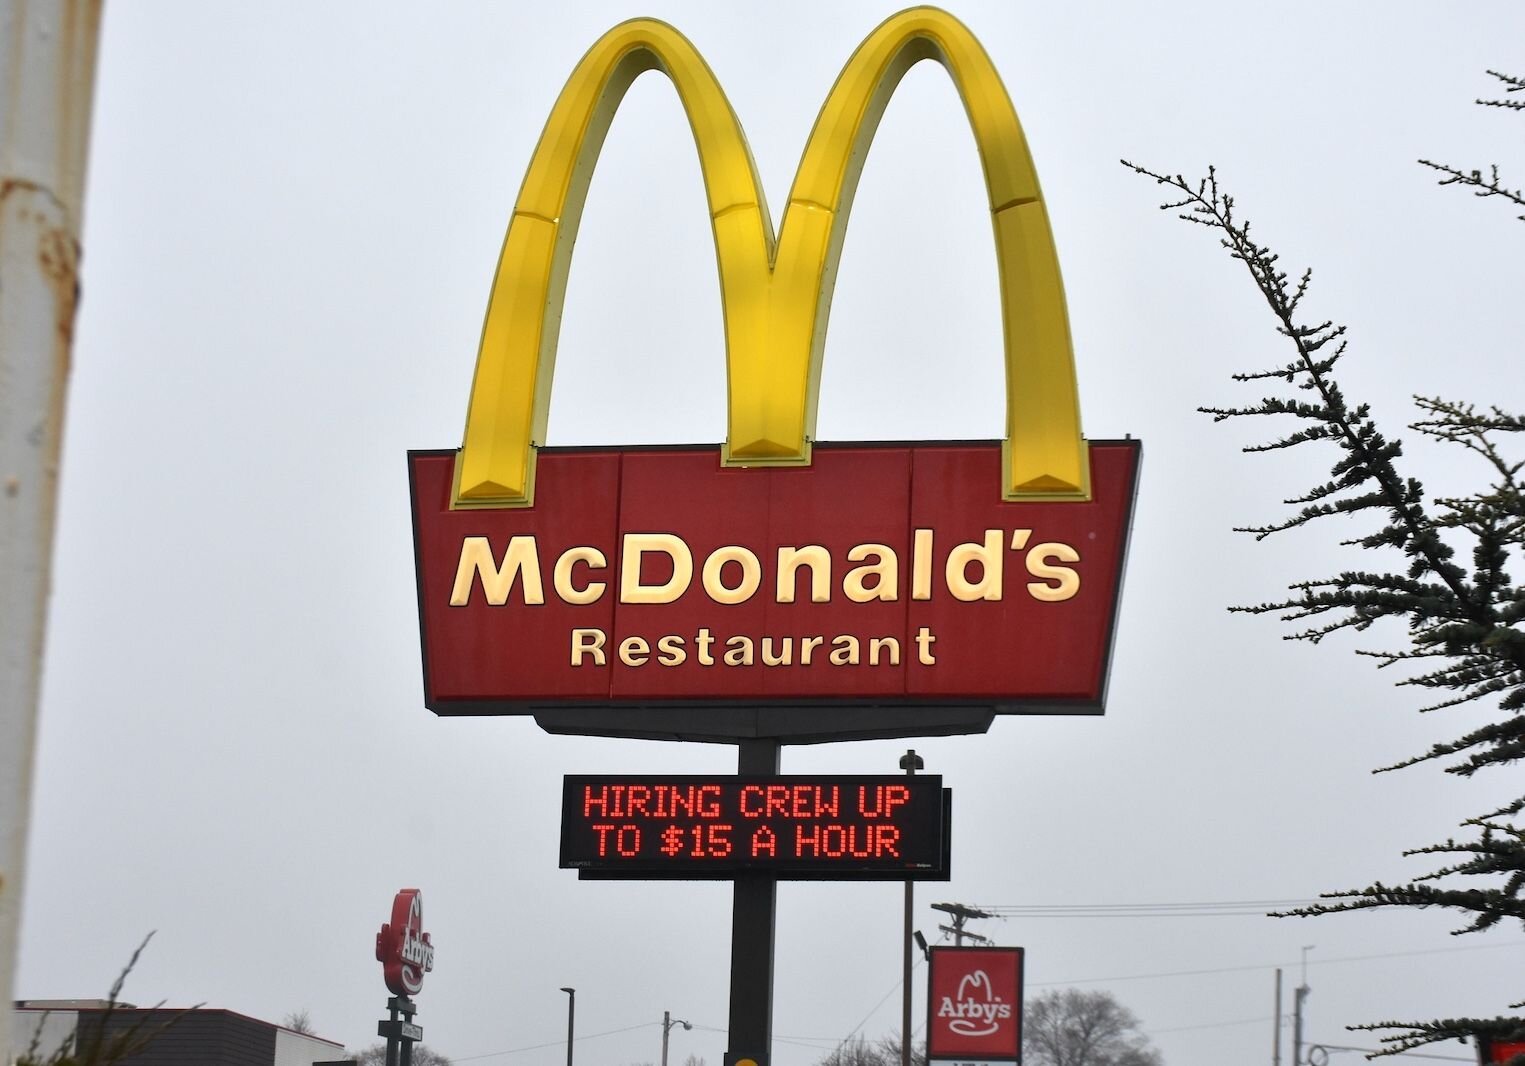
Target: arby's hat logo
point(975, 1010)
point(404, 950)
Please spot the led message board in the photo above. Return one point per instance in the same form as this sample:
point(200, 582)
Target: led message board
point(769, 585)
point(800, 827)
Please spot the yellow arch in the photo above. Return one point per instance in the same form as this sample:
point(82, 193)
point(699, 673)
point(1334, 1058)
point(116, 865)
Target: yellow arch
point(776, 296)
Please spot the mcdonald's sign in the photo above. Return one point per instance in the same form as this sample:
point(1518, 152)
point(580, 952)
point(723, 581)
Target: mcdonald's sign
point(834, 589)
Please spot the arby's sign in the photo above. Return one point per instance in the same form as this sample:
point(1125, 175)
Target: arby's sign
point(974, 1005)
point(404, 950)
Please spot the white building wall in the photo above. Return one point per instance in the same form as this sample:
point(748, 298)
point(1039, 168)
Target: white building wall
point(298, 1049)
point(48, 1028)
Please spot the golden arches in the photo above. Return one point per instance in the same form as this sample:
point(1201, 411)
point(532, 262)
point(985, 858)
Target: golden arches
point(776, 296)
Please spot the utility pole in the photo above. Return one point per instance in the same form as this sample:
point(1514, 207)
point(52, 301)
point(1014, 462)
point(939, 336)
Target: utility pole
point(910, 762)
point(571, 1015)
point(668, 1021)
point(1299, 994)
point(962, 914)
point(1276, 1024)
point(47, 65)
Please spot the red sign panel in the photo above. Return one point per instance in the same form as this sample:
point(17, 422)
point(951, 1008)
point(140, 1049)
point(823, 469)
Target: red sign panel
point(404, 950)
point(880, 575)
point(801, 827)
point(974, 1005)
point(1492, 1052)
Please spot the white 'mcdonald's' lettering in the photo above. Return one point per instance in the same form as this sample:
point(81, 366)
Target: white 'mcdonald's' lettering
point(658, 568)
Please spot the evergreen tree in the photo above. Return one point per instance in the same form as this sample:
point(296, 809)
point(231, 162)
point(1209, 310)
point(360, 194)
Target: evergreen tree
point(858, 1050)
point(1443, 572)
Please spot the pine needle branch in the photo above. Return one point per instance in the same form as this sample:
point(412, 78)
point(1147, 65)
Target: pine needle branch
point(1464, 613)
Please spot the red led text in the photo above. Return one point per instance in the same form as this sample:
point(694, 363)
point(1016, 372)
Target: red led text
point(691, 826)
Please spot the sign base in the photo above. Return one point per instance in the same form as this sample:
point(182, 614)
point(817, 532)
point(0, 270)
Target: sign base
point(785, 724)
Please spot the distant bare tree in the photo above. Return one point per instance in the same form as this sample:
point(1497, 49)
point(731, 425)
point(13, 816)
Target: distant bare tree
point(299, 1021)
point(376, 1055)
point(854, 1051)
point(858, 1050)
point(694, 1060)
point(889, 1051)
point(1068, 1027)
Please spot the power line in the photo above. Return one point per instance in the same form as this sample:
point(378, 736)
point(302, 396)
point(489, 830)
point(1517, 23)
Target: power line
point(1389, 1051)
point(1207, 1025)
point(874, 1009)
point(836, 1042)
point(552, 1043)
point(1272, 965)
point(1193, 909)
point(1206, 972)
point(827, 1044)
point(1155, 903)
point(1260, 1020)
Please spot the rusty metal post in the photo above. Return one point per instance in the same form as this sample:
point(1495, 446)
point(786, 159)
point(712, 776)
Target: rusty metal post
point(47, 68)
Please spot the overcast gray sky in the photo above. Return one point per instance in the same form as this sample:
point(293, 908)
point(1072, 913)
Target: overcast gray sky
point(293, 215)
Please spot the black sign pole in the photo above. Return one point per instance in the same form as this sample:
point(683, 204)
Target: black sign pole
point(751, 1029)
point(400, 1031)
point(389, 1030)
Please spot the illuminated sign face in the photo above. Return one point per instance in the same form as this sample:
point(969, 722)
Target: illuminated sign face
point(884, 575)
point(947, 580)
point(974, 1005)
point(404, 950)
point(797, 827)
